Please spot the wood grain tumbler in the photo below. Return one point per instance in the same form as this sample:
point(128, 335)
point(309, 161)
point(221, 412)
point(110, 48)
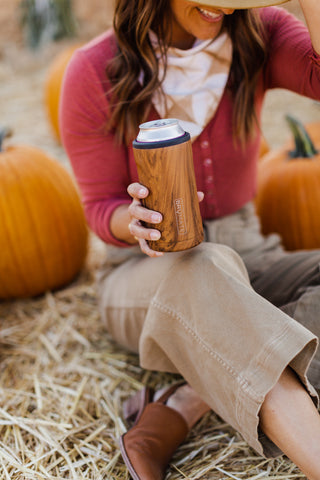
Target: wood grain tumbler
point(163, 155)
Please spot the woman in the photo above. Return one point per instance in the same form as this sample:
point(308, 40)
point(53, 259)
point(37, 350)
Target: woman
point(236, 316)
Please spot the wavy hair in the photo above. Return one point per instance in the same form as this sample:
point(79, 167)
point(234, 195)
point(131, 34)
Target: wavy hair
point(134, 72)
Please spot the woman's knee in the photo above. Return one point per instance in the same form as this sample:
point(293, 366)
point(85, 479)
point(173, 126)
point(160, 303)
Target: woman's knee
point(212, 257)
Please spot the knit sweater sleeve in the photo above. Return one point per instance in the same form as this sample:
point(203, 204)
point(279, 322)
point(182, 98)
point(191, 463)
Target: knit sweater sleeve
point(292, 62)
point(99, 164)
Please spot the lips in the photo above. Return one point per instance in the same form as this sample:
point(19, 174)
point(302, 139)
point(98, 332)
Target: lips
point(209, 16)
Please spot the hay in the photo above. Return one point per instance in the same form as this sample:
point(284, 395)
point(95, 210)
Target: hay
point(62, 384)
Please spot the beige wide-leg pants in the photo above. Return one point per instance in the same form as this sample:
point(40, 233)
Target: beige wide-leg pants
point(196, 313)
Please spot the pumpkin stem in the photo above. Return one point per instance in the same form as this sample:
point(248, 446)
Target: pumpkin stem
point(304, 147)
point(4, 133)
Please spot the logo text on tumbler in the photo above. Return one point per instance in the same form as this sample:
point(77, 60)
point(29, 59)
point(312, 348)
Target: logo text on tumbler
point(180, 216)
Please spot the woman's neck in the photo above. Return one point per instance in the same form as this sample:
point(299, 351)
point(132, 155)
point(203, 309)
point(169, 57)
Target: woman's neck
point(181, 39)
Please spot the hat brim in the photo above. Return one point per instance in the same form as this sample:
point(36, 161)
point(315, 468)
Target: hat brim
point(240, 4)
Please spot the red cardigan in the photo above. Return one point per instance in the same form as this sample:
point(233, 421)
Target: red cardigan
point(224, 172)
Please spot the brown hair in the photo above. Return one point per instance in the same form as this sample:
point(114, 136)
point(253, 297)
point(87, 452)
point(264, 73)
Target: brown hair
point(249, 57)
point(134, 72)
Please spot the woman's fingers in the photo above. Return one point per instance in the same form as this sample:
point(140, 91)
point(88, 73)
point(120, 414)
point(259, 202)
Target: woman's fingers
point(147, 250)
point(138, 231)
point(136, 190)
point(139, 212)
point(200, 196)
point(143, 234)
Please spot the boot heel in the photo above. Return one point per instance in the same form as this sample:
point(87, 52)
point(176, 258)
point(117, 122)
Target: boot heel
point(134, 405)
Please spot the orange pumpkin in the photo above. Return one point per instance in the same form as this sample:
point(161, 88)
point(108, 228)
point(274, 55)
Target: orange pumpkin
point(53, 84)
point(288, 198)
point(43, 233)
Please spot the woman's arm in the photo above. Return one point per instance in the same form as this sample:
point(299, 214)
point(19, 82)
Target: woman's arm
point(311, 11)
point(292, 63)
point(113, 207)
point(99, 164)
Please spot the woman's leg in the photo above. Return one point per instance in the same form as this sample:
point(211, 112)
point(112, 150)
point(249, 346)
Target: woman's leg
point(290, 419)
point(291, 281)
point(287, 416)
point(196, 314)
point(189, 404)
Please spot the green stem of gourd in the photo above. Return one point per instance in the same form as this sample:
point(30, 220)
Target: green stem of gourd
point(304, 147)
point(4, 133)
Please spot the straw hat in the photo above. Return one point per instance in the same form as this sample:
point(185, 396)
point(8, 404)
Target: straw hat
point(239, 3)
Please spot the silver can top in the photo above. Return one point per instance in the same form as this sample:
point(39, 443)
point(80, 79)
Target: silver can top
point(159, 130)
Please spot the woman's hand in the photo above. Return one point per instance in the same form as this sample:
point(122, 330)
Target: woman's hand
point(138, 213)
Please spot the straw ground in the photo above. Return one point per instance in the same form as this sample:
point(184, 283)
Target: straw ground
point(62, 384)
